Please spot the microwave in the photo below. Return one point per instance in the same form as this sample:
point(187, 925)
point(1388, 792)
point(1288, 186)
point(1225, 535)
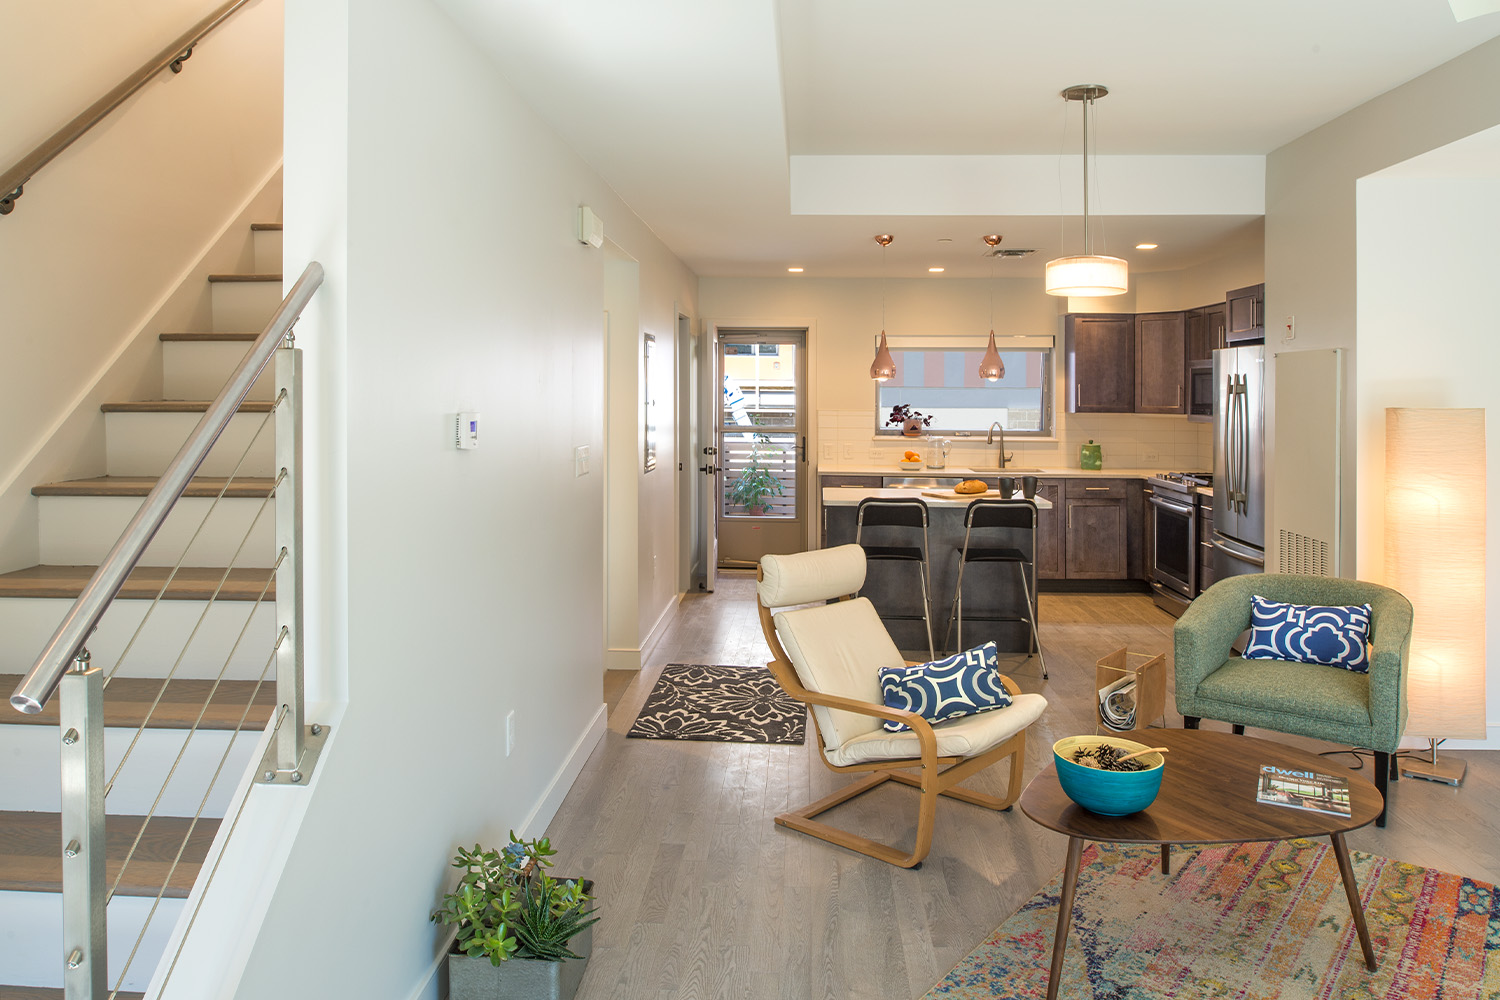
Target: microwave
point(1200, 390)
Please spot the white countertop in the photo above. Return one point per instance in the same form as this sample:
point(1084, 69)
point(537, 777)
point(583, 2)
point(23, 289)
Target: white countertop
point(964, 472)
point(849, 496)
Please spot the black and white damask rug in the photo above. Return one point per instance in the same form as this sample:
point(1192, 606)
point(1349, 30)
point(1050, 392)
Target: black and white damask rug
point(695, 701)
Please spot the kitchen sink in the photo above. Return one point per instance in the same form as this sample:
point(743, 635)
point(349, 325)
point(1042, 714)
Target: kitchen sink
point(1009, 470)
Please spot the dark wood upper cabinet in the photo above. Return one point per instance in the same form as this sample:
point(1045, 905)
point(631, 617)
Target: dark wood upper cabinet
point(1101, 363)
point(1246, 314)
point(1160, 363)
point(1205, 331)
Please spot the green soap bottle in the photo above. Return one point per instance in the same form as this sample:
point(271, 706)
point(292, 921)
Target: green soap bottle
point(1090, 456)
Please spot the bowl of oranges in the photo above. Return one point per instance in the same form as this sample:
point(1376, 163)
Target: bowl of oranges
point(910, 461)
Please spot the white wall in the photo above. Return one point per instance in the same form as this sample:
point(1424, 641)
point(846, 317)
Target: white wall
point(1311, 252)
point(1426, 339)
point(449, 588)
point(105, 233)
point(847, 312)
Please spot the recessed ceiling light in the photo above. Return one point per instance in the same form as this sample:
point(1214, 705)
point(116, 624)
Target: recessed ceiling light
point(795, 270)
point(1145, 246)
point(934, 270)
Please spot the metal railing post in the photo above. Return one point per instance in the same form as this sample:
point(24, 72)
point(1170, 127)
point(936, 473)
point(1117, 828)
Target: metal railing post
point(294, 747)
point(81, 708)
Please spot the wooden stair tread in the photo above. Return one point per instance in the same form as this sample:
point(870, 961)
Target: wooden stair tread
point(139, 486)
point(265, 227)
point(244, 277)
point(54, 993)
point(127, 699)
point(31, 853)
point(192, 583)
point(180, 406)
point(207, 338)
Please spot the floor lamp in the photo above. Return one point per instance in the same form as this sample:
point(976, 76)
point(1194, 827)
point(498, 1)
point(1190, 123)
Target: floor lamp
point(1434, 554)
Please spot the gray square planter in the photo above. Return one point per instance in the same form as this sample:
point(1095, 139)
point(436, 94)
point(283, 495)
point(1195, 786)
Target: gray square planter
point(522, 978)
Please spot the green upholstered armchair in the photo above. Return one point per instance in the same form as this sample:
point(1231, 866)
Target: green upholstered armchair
point(1306, 699)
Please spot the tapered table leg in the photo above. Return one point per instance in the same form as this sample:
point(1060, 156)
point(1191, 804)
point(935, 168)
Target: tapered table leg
point(1064, 913)
point(1341, 852)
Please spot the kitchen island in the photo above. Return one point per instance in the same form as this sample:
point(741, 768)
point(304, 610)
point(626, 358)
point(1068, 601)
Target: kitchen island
point(992, 588)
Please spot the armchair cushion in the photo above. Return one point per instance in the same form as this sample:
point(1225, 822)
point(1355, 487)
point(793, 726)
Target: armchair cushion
point(1332, 635)
point(839, 649)
point(1305, 695)
point(962, 684)
point(965, 737)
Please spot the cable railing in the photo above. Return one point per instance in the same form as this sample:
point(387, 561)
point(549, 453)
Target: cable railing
point(65, 666)
point(14, 180)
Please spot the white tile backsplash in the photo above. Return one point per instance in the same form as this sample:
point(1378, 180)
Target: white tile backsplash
point(1126, 440)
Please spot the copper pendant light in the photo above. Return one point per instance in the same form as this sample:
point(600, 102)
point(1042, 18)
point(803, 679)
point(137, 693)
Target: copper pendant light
point(884, 366)
point(991, 366)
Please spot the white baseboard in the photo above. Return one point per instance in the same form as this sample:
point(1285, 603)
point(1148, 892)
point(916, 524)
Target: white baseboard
point(633, 658)
point(535, 825)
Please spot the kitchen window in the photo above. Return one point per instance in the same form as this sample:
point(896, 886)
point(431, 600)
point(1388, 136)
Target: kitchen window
point(940, 378)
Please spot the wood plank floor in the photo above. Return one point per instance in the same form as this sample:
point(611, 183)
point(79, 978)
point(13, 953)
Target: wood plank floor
point(702, 896)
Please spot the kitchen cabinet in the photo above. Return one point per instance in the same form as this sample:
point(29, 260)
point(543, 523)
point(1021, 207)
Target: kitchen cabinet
point(1101, 363)
point(1160, 363)
point(1049, 535)
point(1245, 311)
point(1096, 528)
point(1204, 327)
point(1205, 543)
point(868, 482)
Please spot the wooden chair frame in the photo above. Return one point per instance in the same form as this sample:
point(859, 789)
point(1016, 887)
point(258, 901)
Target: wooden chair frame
point(937, 775)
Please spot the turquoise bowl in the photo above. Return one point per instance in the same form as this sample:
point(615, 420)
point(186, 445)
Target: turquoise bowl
point(1108, 793)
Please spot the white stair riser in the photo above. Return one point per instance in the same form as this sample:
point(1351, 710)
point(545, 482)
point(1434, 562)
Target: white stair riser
point(196, 369)
point(144, 444)
point(244, 306)
point(31, 759)
point(77, 531)
point(31, 937)
point(267, 250)
point(28, 622)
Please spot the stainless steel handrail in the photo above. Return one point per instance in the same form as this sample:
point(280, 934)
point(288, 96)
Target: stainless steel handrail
point(14, 179)
point(43, 677)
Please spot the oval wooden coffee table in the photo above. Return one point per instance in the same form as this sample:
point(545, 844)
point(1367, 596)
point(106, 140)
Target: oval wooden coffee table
point(1207, 797)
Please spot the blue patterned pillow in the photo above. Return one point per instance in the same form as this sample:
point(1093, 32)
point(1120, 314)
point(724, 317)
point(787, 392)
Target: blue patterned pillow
point(1334, 636)
point(961, 684)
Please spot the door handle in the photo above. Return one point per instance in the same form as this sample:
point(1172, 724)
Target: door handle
point(710, 469)
point(710, 450)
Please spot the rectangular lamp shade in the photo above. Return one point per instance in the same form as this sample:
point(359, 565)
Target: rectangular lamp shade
point(1434, 554)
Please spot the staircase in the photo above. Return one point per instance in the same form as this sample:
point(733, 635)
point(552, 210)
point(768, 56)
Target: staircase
point(78, 521)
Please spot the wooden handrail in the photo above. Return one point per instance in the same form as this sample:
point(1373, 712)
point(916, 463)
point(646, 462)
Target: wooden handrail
point(14, 180)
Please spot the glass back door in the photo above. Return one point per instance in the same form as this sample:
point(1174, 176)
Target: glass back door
point(760, 426)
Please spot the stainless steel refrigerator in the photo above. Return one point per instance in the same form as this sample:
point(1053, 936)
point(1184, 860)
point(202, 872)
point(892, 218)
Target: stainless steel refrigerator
point(1239, 540)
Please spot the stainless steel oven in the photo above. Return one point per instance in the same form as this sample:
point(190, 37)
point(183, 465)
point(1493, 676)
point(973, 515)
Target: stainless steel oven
point(1174, 553)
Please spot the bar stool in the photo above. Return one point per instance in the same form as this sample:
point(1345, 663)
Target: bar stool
point(875, 512)
point(983, 515)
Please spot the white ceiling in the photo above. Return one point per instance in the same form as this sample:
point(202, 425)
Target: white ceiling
point(692, 110)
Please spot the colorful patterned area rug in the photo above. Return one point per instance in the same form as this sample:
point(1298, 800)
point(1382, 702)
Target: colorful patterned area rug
point(695, 701)
point(1252, 921)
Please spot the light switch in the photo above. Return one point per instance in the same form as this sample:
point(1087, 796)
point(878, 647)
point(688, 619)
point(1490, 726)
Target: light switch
point(581, 460)
point(828, 451)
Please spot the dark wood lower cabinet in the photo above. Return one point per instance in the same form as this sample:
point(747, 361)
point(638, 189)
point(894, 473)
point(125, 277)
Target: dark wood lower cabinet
point(1049, 535)
point(1096, 538)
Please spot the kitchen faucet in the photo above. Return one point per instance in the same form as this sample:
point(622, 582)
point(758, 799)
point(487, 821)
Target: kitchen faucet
point(991, 440)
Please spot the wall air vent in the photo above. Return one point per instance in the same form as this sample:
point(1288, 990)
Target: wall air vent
point(1009, 252)
point(1305, 554)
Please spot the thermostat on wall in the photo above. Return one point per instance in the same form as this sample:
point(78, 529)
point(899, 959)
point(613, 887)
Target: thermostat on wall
point(466, 430)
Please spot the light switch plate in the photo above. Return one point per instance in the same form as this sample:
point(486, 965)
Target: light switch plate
point(581, 460)
point(466, 430)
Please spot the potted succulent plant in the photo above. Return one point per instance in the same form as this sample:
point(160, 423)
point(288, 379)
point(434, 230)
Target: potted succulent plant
point(911, 421)
point(522, 934)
